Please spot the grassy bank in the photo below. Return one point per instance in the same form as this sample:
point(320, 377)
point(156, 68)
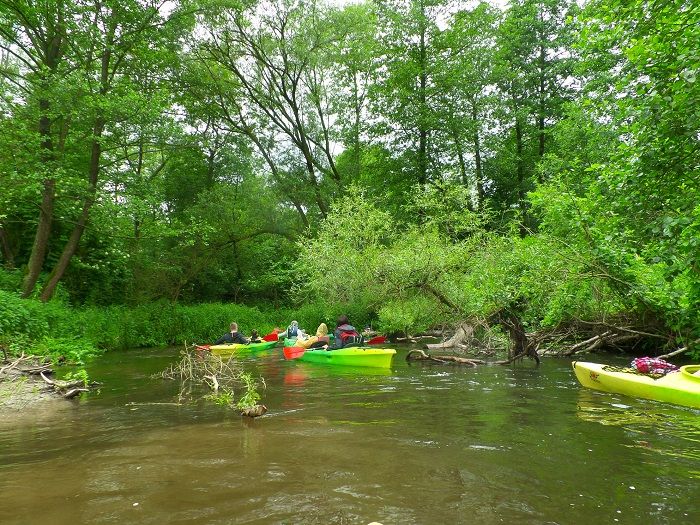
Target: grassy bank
point(57, 329)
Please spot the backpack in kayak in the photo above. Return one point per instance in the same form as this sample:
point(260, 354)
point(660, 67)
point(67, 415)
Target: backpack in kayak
point(350, 338)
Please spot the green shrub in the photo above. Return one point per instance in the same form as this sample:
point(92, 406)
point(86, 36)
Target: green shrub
point(69, 351)
point(21, 316)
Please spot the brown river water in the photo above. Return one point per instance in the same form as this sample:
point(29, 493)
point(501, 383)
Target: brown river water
point(412, 445)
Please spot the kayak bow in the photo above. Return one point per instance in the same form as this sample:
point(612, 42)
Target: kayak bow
point(680, 388)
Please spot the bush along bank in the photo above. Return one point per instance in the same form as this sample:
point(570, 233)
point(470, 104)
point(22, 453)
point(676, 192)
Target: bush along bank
point(75, 334)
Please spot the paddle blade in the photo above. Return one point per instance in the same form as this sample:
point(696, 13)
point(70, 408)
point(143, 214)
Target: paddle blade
point(378, 340)
point(270, 337)
point(202, 347)
point(293, 352)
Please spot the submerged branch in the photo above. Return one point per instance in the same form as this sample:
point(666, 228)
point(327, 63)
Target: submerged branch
point(221, 375)
point(420, 355)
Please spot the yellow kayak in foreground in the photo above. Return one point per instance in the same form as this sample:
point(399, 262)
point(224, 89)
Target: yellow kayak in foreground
point(680, 388)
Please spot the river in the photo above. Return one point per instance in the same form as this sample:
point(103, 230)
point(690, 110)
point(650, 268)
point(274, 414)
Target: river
point(414, 445)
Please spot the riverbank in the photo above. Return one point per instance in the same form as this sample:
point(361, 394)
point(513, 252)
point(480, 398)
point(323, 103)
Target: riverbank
point(28, 380)
point(20, 389)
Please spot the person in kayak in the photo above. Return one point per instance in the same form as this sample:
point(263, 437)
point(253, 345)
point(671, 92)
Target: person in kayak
point(254, 337)
point(319, 340)
point(234, 336)
point(291, 331)
point(345, 334)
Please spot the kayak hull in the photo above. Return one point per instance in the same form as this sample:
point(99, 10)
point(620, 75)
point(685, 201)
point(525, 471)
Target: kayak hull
point(679, 388)
point(239, 348)
point(362, 357)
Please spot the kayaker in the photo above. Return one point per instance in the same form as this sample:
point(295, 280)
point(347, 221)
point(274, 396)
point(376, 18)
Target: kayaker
point(345, 334)
point(291, 331)
point(254, 337)
point(232, 337)
point(319, 340)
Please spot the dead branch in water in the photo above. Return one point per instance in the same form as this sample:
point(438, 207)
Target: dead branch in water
point(588, 344)
point(420, 355)
point(254, 411)
point(221, 375)
point(67, 389)
point(680, 350)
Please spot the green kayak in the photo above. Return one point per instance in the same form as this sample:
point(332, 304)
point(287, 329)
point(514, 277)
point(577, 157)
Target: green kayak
point(239, 348)
point(370, 357)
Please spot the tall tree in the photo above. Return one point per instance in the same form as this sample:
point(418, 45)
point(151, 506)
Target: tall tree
point(354, 58)
point(277, 63)
point(405, 93)
point(533, 71)
point(75, 64)
point(465, 84)
point(34, 36)
point(115, 37)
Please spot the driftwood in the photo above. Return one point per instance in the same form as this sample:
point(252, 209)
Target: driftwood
point(420, 355)
point(67, 389)
point(680, 350)
point(464, 332)
point(609, 338)
point(30, 365)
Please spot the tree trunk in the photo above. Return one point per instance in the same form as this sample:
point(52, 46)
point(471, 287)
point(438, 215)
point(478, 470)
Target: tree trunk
point(41, 238)
point(521, 176)
point(542, 94)
point(74, 240)
point(356, 131)
point(460, 155)
point(50, 47)
point(477, 156)
point(422, 97)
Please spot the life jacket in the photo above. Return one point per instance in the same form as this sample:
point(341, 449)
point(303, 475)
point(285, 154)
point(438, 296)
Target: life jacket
point(292, 331)
point(348, 336)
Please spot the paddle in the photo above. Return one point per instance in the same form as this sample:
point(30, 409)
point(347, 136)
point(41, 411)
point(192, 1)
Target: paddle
point(202, 347)
point(377, 340)
point(293, 352)
point(270, 337)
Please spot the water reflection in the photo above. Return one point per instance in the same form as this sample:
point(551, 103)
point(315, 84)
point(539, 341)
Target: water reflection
point(659, 427)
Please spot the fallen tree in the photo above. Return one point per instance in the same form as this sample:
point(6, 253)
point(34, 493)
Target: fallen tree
point(420, 355)
point(464, 332)
point(566, 340)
